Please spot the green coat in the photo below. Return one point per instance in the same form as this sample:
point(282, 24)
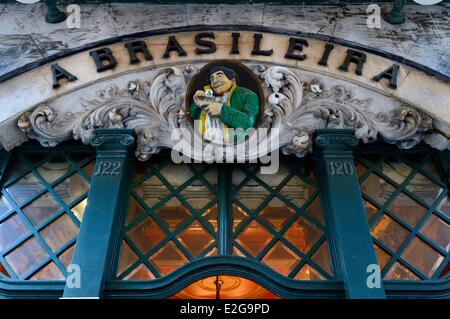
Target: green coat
point(242, 111)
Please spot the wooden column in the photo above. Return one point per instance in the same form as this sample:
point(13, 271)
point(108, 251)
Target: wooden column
point(350, 240)
point(105, 202)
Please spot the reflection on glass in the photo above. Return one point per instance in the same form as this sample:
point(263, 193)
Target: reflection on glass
point(254, 238)
point(4, 205)
point(53, 169)
point(308, 273)
point(424, 188)
point(389, 232)
point(48, 272)
point(176, 175)
point(66, 256)
point(146, 235)
point(281, 259)
point(303, 235)
point(239, 215)
point(127, 258)
point(444, 206)
point(25, 257)
point(438, 231)
point(252, 195)
point(407, 209)
point(197, 195)
point(399, 272)
point(168, 258)
point(173, 213)
point(276, 214)
point(382, 256)
point(71, 188)
point(141, 272)
point(395, 170)
point(422, 256)
point(24, 188)
point(315, 210)
point(41, 209)
point(59, 232)
point(370, 209)
point(152, 191)
point(78, 210)
point(322, 257)
point(11, 230)
point(297, 191)
point(195, 238)
point(377, 188)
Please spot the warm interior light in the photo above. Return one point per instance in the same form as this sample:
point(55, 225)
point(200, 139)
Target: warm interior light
point(231, 287)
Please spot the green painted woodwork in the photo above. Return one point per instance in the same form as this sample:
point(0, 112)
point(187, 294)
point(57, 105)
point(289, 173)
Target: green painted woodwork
point(110, 214)
point(92, 252)
point(341, 200)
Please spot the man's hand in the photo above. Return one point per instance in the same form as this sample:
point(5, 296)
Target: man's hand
point(198, 97)
point(214, 108)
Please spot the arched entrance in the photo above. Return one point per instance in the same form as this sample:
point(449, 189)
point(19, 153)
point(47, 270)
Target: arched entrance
point(224, 287)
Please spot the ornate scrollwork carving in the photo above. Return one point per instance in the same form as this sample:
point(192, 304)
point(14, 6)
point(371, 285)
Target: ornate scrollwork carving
point(299, 109)
point(295, 108)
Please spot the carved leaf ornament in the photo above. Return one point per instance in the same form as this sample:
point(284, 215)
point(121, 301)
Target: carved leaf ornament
point(294, 109)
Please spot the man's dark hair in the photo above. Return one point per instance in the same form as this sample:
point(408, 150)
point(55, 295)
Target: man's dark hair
point(230, 74)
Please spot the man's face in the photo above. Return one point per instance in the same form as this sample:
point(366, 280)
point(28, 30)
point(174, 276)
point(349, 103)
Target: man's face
point(220, 83)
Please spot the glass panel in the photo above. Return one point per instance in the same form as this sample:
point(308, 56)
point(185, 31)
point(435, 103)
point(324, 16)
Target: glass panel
point(140, 273)
point(407, 209)
point(303, 234)
point(389, 232)
point(444, 206)
point(371, 210)
point(252, 195)
point(11, 230)
point(308, 273)
point(134, 210)
point(276, 214)
point(66, 256)
point(395, 170)
point(4, 205)
point(281, 259)
point(273, 180)
point(24, 188)
point(41, 209)
point(195, 238)
point(71, 188)
point(297, 191)
point(377, 188)
point(176, 175)
point(78, 210)
point(152, 191)
point(238, 216)
point(49, 272)
point(382, 256)
point(28, 255)
point(422, 256)
point(197, 195)
point(127, 258)
point(438, 231)
point(431, 169)
point(3, 272)
point(168, 258)
point(254, 238)
point(54, 169)
point(173, 213)
point(322, 257)
point(315, 210)
point(89, 169)
point(210, 216)
point(399, 272)
point(59, 232)
point(146, 235)
point(424, 188)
